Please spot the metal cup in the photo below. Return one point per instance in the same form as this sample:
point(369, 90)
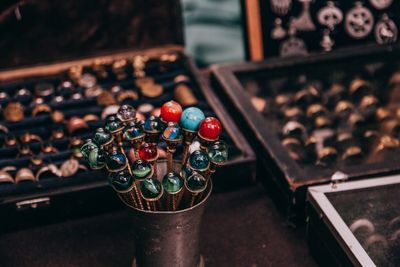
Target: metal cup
point(169, 238)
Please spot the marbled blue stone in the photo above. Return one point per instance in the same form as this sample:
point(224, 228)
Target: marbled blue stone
point(218, 152)
point(198, 160)
point(191, 118)
point(133, 130)
point(152, 124)
point(172, 132)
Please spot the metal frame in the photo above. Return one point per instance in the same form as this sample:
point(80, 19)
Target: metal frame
point(317, 196)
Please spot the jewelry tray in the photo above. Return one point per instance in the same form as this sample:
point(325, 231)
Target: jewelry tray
point(285, 178)
point(81, 40)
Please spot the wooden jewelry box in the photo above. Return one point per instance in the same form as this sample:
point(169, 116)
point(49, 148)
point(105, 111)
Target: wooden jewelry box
point(65, 66)
point(318, 118)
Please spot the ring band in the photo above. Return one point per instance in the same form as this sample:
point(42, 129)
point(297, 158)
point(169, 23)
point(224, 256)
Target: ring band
point(6, 178)
point(48, 168)
point(362, 223)
point(24, 174)
point(76, 123)
point(43, 108)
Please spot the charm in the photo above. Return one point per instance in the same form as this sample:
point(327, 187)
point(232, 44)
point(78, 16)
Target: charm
point(327, 43)
point(381, 4)
point(281, 7)
point(330, 15)
point(303, 22)
point(293, 46)
point(385, 30)
point(278, 32)
point(359, 21)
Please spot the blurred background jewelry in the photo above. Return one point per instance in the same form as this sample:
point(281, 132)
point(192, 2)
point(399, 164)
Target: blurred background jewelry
point(303, 22)
point(280, 7)
point(330, 16)
point(359, 21)
point(385, 30)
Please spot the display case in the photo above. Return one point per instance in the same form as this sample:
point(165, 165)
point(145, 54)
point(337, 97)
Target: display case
point(67, 66)
point(309, 117)
point(355, 223)
point(300, 27)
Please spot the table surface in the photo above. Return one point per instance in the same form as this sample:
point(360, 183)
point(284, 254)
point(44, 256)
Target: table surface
point(241, 228)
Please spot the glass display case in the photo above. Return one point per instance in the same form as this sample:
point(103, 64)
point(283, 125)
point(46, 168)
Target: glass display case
point(355, 223)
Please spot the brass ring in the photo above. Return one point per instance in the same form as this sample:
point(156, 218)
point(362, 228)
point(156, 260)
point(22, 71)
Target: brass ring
point(44, 89)
point(57, 134)
point(48, 148)
point(90, 117)
point(108, 111)
point(24, 174)
point(43, 108)
point(14, 112)
point(76, 123)
point(70, 167)
point(25, 151)
point(57, 116)
point(105, 98)
point(127, 94)
point(10, 140)
point(4, 129)
point(28, 138)
point(6, 178)
point(48, 168)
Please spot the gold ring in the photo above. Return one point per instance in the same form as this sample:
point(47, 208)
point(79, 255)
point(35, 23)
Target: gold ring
point(3, 129)
point(57, 116)
point(5, 177)
point(127, 94)
point(57, 134)
point(24, 174)
point(90, 117)
point(105, 98)
point(356, 84)
point(36, 161)
point(108, 111)
point(27, 138)
point(52, 168)
point(10, 140)
point(44, 89)
point(25, 151)
point(76, 123)
point(43, 108)
point(70, 167)
point(14, 112)
point(48, 148)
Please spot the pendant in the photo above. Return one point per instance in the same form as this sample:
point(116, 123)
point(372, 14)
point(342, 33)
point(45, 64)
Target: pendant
point(330, 15)
point(381, 4)
point(359, 21)
point(281, 7)
point(385, 30)
point(293, 46)
point(327, 43)
point(278, 32)
point(303, 22)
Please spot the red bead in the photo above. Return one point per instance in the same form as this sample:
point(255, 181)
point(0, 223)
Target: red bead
point(171, 111)
point(210, 128)
point(148, 152)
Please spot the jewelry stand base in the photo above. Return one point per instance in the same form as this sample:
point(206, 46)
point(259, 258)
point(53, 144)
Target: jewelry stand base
point(201, 263)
